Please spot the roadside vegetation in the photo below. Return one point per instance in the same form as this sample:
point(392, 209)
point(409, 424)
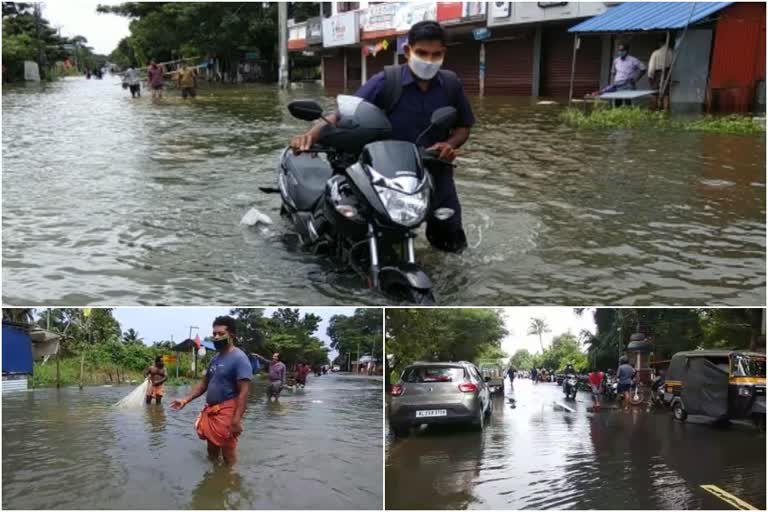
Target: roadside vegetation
point(671, 331)
point(602, 117)
point(56, 55)
point(92, 339)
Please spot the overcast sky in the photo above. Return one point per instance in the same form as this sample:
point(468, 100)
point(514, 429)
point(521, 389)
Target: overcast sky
point(79, 17)
point(158, 324)
point(559, 320)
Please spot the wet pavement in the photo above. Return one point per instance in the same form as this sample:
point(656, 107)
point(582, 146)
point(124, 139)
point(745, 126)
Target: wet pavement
point(319, 448)
point(110, 200)
point(538, 456)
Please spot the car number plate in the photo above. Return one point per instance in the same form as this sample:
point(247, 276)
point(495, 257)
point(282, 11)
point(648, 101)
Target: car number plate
point(432, 413)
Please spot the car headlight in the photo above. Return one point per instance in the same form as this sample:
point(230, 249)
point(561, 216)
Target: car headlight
point(405, 209)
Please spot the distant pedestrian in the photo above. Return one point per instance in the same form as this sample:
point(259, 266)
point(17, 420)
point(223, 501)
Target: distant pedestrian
point(276, 375)
point(155, 79)
point(187, 80)
point(534, 375)
point(157, 376)
point(596, 384)
point(625, 374)
point(132, 79)
point(660, 65)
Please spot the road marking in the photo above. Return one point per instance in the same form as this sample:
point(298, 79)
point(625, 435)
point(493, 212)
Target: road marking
point(729, 498)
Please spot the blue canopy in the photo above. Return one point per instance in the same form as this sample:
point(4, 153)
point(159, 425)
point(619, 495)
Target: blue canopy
point(648, 16)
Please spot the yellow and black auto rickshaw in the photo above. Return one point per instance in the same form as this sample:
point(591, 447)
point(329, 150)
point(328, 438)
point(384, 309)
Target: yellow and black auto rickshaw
point(720, 384)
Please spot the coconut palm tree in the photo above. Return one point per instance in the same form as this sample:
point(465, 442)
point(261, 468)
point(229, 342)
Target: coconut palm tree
point(19, 315)
point(538, 327)
point(131, 337)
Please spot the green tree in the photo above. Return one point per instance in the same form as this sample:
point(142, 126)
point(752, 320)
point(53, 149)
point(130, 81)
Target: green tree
point(538, 327)
point(131, 336)
point(360, 334)
point(415, 334)
point(521, 360)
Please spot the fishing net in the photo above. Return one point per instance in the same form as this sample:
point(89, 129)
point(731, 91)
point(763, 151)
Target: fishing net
point(135, 398)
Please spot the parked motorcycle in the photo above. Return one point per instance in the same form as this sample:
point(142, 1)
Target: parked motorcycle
point(611, 388)
point(570, 386)
point(363, 203)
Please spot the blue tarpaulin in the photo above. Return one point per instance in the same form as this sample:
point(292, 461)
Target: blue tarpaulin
point(649, 16)
point(17, 350)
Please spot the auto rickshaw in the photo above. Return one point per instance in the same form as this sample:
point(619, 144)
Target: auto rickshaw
point(720, 384)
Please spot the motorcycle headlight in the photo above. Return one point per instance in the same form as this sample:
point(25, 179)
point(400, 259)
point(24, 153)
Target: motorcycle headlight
point(405, 209)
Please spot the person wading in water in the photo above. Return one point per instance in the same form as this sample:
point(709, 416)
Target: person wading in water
point(226, 383)
point(276, 375)
point(157, 377)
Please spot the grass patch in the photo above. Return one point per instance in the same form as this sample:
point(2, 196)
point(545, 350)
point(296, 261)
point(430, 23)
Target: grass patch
point(636, 117)
point(44, 375)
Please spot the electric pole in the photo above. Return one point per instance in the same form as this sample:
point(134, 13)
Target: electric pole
point(282, 21)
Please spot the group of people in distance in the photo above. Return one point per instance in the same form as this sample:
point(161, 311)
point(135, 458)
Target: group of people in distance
point(185, 77)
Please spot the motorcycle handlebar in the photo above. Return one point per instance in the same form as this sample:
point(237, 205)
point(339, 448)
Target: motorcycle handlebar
point(431, 155)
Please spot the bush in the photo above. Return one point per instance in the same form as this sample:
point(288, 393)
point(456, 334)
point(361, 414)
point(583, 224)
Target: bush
point(635, 117)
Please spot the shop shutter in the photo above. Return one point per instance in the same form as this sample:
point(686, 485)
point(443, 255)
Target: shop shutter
point(509, 66)
point(354, 68)
point(464, 60)
point(557, 53)
point(333, 72)
point(377, 63)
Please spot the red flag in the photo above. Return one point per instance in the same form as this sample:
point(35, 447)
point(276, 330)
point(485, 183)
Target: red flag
point(197, 340)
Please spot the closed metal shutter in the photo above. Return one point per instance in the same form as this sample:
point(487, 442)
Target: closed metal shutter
point(383, 58)
point(464, 60)
point(557, 53)
point(333, 72)
point(354, 68)
point(509, 66)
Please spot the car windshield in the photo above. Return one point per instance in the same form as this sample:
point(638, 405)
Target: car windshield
point(433, 374)
point(745, 366)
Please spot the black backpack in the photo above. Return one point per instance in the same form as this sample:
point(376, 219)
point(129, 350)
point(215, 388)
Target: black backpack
point(393, 87)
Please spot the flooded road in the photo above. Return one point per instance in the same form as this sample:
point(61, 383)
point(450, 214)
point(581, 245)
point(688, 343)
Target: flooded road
point(111, 200)
point(316, 449)
point(536, 456)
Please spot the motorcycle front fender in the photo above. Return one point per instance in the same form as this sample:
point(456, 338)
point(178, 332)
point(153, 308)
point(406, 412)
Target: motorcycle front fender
point(406, 275)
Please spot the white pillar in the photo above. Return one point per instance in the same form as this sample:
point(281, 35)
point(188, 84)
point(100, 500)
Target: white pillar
point(282, 18)
point(363, 67)
point(334, 8)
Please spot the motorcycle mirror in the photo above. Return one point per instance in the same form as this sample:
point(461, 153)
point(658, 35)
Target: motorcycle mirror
point(444, 117)
point(306, 110)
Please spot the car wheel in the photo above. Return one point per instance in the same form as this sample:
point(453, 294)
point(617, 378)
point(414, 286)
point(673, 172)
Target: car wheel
point(679, 412)
point(479, 423)
point(401, 431)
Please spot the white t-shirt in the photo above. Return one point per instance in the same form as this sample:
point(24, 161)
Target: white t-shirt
point(132, 77)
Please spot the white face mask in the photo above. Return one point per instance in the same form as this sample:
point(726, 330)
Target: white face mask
point(424, 69)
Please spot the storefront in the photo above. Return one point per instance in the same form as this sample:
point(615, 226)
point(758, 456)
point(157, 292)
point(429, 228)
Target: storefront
point(556, 56)
point(341, 53)
point(509, 62)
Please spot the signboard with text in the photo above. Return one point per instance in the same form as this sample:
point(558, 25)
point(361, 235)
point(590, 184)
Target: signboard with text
point(340, 30)
point(314, 30)
point(390, 18)
point(510, 13)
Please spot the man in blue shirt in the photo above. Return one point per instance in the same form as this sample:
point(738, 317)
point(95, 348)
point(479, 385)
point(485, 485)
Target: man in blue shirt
point(226, 384)
point(424, 89)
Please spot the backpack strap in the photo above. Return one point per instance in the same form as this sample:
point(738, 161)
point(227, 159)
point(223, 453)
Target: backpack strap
point(393, 88)
point(452, 86)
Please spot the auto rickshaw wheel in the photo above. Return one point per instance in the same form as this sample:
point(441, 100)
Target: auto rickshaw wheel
point(679, 412)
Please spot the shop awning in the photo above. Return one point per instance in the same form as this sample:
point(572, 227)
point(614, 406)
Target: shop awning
point(648, 16)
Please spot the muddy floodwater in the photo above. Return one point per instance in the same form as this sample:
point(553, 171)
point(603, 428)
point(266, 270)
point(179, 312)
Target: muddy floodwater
point(536, 455)
point(111, 200)
point(316, 449)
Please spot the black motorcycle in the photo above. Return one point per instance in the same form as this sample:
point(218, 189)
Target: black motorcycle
point(363, 202)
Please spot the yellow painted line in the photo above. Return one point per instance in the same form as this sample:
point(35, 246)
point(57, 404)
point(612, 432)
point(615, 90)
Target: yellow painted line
point(729, 498)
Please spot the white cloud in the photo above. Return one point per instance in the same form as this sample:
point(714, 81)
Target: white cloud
point(560, 321)
point(79, 17)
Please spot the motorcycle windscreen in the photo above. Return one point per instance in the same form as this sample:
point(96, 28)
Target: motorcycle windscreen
point(705, 388)
point(393, 159)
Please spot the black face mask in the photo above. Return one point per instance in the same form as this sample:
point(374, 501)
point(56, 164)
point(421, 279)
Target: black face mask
point(221, 343)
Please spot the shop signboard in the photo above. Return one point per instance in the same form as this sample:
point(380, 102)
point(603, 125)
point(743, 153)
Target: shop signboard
point(340, 30)
point(510, 13)
point(450, 11)
point(314, 30)
point(379, 17)
point(500, 10)
point(481, 34)
point(411, 13)
point(474, 10)
point(390, 18)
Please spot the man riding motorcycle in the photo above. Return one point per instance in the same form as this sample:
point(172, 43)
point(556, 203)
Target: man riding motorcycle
point(409, 95)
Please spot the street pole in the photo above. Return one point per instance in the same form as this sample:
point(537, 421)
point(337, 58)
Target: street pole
point(282, 21)
point(358, 357)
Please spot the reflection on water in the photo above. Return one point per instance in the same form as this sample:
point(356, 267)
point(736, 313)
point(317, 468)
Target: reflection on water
point(316, 449)
point(535, 455)
point(553, 215)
